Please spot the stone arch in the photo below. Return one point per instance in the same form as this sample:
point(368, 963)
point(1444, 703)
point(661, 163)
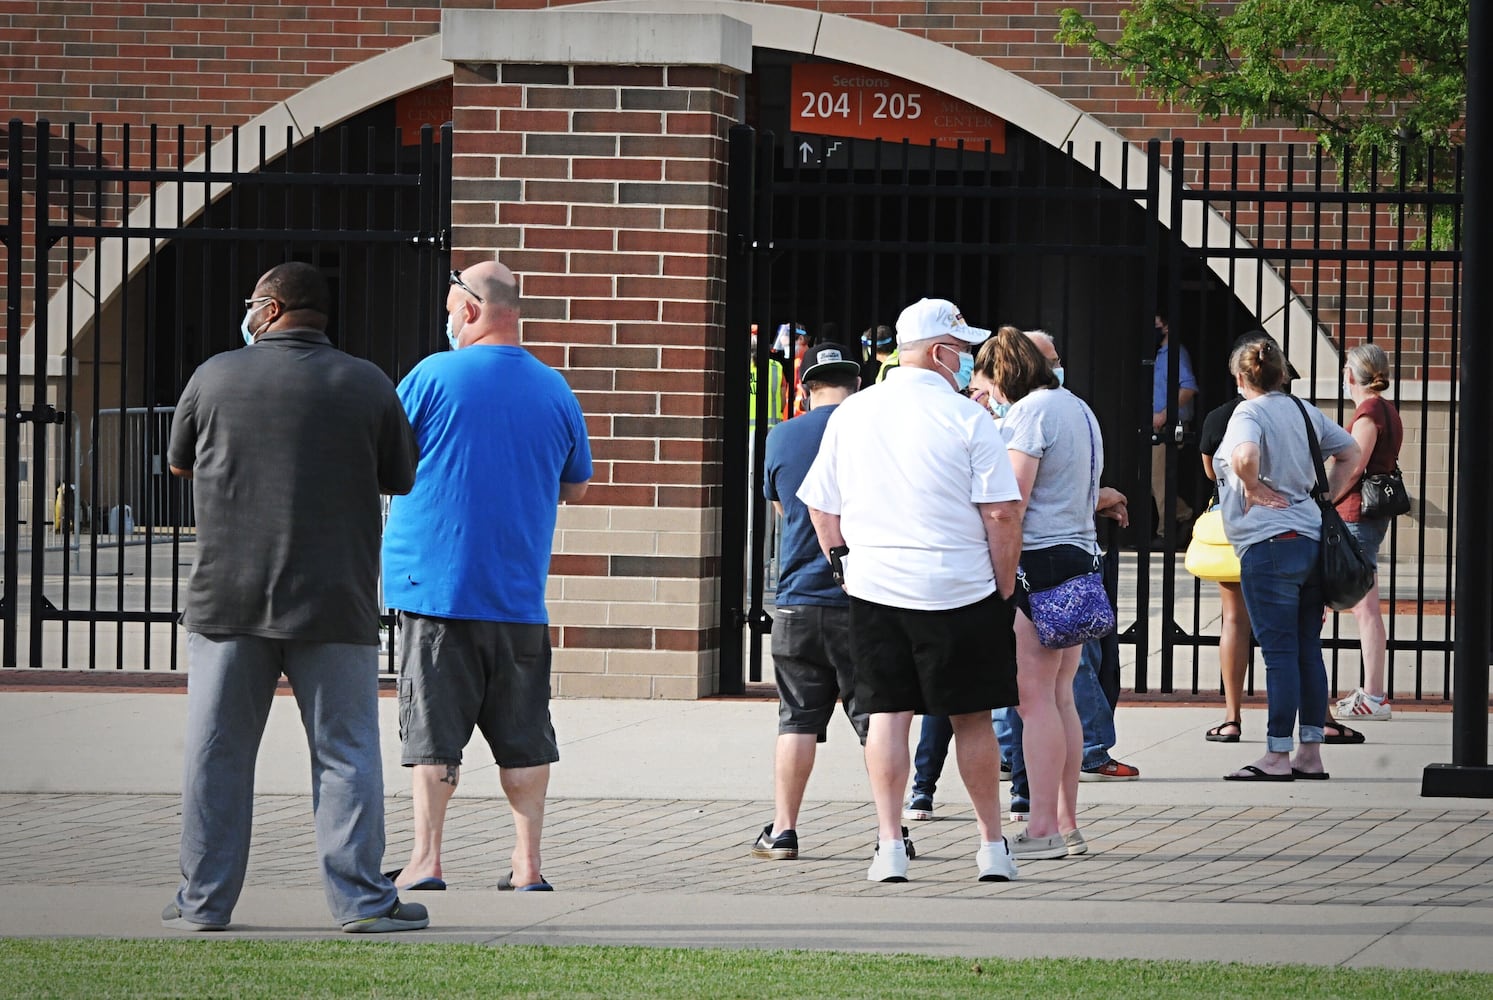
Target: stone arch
point(322, 105)
point(792, 29)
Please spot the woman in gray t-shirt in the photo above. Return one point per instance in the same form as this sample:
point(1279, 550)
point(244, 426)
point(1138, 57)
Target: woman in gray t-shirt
point(1057, 454)
point(1266, 477)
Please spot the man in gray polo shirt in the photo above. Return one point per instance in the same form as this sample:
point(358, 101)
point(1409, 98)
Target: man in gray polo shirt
point(288, 443)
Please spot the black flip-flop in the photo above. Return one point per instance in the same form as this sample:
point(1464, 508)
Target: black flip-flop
point(1217, 735)
point(505, 883)
point(1256, 774)
point(1310, 775)
point(1345, 734)
point(431, 884)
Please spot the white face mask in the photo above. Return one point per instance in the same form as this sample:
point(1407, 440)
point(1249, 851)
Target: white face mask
point(452, 336)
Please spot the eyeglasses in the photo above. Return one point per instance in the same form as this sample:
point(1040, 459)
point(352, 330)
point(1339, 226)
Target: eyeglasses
point(456, 280)
point(250, 303)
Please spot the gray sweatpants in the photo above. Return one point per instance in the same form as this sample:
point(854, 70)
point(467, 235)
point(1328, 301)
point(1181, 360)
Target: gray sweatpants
point(229, 690)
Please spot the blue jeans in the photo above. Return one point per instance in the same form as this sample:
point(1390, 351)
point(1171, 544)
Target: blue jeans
point(1094, 712)
point(933, 750)
point(230, 688)
point(1284, 596)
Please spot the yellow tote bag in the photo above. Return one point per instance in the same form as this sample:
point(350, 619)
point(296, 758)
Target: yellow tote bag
point(1209, 555)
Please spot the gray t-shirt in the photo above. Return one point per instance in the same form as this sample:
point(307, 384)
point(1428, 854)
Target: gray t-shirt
point(1273, 422)
point(1058, 428)
point(290, 443)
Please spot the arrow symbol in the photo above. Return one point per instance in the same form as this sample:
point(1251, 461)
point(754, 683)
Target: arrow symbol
point(805, 150)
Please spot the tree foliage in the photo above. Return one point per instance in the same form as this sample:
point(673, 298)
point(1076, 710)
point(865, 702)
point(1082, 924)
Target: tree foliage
point(1360, 75)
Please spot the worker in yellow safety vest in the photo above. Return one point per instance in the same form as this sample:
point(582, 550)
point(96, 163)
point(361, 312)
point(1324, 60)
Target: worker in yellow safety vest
point(777, 403)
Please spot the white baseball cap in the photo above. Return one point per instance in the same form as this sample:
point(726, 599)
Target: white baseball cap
point(927, 319)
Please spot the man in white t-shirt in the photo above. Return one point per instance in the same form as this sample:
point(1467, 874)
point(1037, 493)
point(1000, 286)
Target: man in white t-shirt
point(915, 504)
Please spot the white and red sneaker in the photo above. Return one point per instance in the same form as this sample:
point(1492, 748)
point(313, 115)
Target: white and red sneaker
point(1360, 706)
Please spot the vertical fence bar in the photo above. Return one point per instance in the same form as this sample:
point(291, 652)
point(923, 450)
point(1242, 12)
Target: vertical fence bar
point(1469, 773)
point(735, 358)
point(761, 248)
point(1146, 365)
point(9, 600)
point(37, 511)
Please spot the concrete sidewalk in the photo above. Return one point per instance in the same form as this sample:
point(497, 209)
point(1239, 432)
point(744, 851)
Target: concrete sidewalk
point(654, 806)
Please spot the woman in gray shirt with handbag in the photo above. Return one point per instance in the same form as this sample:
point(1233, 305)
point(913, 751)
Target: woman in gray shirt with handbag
point(1266, 476)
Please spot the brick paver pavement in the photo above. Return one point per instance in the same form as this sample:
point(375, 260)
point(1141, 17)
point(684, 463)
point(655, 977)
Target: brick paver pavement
point(1423, 856)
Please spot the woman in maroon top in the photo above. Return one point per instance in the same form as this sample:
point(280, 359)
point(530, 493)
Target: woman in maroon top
point(1376, 426)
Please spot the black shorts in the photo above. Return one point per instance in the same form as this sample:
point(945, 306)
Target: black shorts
point(813, 669)
point(934, 662)
point(456, 674)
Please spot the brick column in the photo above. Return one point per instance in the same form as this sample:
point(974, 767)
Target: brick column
point(590, 155)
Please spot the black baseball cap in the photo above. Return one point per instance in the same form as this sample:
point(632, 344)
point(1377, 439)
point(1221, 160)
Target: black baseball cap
point(823, 359)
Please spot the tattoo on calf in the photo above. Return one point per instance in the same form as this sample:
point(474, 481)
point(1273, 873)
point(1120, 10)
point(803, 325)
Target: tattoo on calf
point(450, 776)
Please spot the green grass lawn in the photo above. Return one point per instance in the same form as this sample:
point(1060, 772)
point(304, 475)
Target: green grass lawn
point(200, 969)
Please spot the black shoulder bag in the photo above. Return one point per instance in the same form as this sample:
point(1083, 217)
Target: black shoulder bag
point(1346, 573)
point(1383, 495)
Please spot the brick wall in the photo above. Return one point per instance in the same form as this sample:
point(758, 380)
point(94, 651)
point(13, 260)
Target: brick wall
point(603, 187)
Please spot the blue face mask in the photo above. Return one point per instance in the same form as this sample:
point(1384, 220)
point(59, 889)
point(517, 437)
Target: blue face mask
point(246, 329)
point(1058, 373)
point(1000, 409)
point(966, 369)
point(451, 334)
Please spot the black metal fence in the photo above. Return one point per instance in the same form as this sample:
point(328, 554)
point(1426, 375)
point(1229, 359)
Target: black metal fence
point(838, 235)
point(128, 255)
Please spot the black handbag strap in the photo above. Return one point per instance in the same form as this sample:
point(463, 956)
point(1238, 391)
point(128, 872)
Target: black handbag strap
point(1311, 439)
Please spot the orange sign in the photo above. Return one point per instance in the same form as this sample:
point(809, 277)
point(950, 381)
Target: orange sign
point(427, 106)
point(836, 99)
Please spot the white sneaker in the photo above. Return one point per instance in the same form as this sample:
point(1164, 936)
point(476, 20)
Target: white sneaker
point(888, 864)
point(1077, 845)
point(995, 862)
point(1024, 845)
point(1363, 707)
point(1018, 815)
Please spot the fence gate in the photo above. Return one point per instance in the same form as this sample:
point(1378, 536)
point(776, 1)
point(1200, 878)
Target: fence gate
point(128, 255)
point(838, 235)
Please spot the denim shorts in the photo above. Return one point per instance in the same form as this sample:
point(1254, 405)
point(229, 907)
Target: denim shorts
point(1370, 535)
point(811, 664)
point(456, 674)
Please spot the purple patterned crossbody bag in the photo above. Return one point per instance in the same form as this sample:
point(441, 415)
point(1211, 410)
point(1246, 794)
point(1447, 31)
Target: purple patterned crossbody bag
point(1076, 610)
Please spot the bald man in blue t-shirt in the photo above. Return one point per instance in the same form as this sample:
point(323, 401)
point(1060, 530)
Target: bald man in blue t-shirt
point(466, 558)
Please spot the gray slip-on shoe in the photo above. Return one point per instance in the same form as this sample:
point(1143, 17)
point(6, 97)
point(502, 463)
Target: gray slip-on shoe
point(172, 918)
point(403, 917)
